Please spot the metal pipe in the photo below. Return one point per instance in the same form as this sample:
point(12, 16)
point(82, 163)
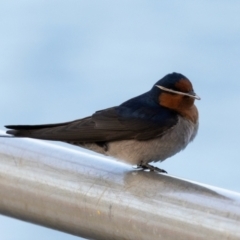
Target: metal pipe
point(98, 198)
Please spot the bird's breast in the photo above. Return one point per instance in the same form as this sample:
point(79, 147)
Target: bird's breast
point(158, 149)
point(134, 152)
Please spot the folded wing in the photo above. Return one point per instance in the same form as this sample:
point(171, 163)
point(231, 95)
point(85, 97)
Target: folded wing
point(106, 125)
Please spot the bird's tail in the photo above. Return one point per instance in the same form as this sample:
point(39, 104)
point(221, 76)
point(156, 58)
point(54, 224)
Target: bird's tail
point(32, 131)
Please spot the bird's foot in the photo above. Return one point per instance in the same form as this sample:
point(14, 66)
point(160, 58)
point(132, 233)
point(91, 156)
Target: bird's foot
point(144, 166)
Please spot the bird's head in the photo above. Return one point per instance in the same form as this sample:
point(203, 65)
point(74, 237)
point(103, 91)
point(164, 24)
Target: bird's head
point(175, 91)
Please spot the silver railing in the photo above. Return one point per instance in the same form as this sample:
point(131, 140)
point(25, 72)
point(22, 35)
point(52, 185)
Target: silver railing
point(98, 198)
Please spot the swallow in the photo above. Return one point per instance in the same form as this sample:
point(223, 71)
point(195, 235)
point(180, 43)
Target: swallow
point(148, 128)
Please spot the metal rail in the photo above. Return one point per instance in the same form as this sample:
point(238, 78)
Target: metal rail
point(98, 198)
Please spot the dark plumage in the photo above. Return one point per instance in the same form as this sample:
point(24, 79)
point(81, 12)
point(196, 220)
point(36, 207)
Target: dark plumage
point(139, 120)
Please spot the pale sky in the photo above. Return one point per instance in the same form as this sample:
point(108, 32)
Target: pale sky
point(63, 60)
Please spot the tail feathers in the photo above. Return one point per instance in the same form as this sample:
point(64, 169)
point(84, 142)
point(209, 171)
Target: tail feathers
point(21, 132)
point(32, 131)
point(29, 127)
point(18, 133)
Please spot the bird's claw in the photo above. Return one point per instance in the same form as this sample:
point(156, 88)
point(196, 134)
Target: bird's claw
point(150, 167)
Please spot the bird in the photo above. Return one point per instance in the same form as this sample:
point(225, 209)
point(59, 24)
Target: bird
point(147, 128)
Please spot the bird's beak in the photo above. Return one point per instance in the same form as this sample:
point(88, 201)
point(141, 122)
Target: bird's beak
point(191, 94)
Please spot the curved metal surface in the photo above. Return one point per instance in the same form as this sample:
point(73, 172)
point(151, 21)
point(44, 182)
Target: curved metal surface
point(98, 198)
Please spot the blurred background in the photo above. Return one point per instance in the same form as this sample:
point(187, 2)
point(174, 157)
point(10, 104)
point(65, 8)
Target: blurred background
point(63, 60)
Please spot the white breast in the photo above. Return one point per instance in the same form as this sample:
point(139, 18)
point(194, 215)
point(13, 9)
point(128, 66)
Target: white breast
point(158, 149)
point(175, 140)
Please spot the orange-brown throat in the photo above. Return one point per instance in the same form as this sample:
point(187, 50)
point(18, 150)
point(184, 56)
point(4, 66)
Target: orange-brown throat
point(184, 105)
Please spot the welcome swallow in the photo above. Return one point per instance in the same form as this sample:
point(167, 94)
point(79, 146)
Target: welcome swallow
point(148, 128)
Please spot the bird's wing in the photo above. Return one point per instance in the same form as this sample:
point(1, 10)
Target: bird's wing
point(106, 125)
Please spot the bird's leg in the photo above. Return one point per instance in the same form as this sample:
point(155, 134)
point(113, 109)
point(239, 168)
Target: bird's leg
point(144, 166)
